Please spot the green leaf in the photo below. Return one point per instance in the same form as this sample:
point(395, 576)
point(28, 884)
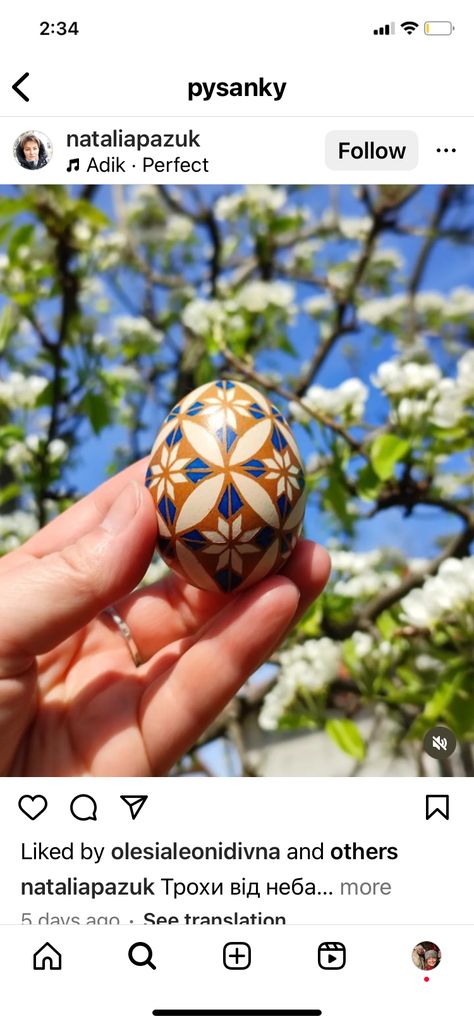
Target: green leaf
point(7, 325)
point(98, 411)
point(23, 298)
point(336, 496)
point(87, 211)
point(436, 708)
point(368, 483)
point(311, 620)
point(385, 452)
point(387, 625)
point(11, 491)
point(204, 370)
point(22, 237)
point(441, 699)
point(45, 398)
point(11, 206)
point(346, 735)
point(338, 607)
point(296, 721)
point(461, 714)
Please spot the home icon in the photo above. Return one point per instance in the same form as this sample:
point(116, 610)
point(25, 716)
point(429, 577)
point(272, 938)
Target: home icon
point(47, 957)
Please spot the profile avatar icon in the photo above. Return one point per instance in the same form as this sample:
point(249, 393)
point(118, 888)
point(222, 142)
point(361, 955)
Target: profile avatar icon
point(33, 150)
point(426, 956)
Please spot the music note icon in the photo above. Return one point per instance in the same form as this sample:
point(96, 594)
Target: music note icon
point(73, 164)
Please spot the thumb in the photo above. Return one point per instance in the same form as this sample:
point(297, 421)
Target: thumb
point(46, 600)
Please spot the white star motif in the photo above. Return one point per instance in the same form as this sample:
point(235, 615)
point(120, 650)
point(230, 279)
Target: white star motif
point(224, 406)
point(285, 471)
point(167, 472)
point(230, 543)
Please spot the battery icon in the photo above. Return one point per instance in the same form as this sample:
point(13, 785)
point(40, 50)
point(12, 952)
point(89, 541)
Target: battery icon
point(438, 28)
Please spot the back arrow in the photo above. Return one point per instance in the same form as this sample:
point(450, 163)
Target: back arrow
point(18, 83)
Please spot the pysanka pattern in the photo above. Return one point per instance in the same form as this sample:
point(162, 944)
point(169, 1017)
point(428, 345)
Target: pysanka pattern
point(227, 479)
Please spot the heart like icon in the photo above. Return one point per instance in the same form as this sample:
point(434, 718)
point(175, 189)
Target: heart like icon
point(33, 805)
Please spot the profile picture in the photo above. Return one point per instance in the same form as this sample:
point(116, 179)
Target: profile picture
point(32, 150)
point(426, 955)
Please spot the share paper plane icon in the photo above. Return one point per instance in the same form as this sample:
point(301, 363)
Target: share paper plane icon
point(135, 803)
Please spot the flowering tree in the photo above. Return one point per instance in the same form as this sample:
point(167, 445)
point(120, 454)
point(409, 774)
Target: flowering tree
point(114, 303)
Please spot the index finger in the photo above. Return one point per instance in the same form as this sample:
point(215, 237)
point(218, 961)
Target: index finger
point(76, 521)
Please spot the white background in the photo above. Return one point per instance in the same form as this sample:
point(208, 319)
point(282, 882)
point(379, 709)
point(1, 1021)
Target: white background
point(431, 900)
point(138, 58)
point(251, 149)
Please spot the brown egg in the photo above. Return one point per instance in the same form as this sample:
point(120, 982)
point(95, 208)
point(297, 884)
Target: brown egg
point(228, 483)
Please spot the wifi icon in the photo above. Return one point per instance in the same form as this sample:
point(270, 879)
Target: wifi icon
point(409, 26)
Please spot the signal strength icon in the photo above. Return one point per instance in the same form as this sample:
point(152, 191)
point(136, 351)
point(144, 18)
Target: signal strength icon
point(409, 26)
point(385, 30)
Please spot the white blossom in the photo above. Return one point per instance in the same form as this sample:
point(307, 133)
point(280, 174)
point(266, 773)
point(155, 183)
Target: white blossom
point(346, 400)
point(429, 302)
point(355, 227)
point(109, 249)
point(465, 373)
point(16, 528)
point(375, 311)
point(427, 663)
point(178, 228)
point(339, 277)
point(136, 327)
point(304, 251)
point(310, 666)
point(203, 315)
point(123, 372)
point(386, 256)
point(82, 232)
point(448, 409)
point(99, 341)
point(370, 582)
point(265, 197)
point(17, 454)
point(411, 411)
point(318, 305)
point(260, 200)
point(57, 449)
point(396, 378)
point(228, 207)
point(22, 390)
point(460, 303)
point(256, 296)
point(450, 593)
point(346, 561)
point(363, 644)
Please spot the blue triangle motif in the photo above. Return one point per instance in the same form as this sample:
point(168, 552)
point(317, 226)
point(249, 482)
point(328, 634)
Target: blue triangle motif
point(254, 467)
point(167, 509)
point(230, 502)
point(278, 439)
point(227, 579)
point(174, 436)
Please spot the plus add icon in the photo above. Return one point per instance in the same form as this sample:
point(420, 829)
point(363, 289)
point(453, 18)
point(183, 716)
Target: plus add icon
point(237, 955)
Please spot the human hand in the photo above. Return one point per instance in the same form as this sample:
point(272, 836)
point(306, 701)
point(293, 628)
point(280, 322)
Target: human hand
point(72, 702)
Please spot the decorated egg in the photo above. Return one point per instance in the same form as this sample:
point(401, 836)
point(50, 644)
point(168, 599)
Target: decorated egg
point(227, 479)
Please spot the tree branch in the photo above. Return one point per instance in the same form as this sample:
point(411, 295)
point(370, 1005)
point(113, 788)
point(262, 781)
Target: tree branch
point(364, 619)
point(248, 370)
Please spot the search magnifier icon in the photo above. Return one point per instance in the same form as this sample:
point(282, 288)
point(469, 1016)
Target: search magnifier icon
point(141, 954)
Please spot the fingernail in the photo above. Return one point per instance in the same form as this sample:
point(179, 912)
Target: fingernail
point(123, 509)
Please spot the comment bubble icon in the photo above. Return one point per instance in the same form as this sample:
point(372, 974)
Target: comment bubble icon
point(84, 807)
